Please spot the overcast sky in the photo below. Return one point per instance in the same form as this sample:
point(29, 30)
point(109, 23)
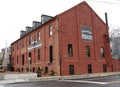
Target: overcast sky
point(15, 15)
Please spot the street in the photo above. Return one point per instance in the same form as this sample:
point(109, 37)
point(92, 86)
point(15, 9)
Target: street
point(110, 81)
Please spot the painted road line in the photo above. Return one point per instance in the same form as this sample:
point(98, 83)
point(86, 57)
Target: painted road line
point(82, 81)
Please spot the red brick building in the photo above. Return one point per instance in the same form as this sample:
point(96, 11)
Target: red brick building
point(73, 42)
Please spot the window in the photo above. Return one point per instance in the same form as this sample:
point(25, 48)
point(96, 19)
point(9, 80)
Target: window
point(22, 69)
point(106, 38)
point(87, 51)
point(70, 50)
point(27, 69)
point(23, 60)
point(23, 44)
point(89, 68)
point(17, 46)
point(38, 54)
point(51, 54)
point(71, 69)
point(104, 68)
point(50, 30)
point(38, 36)
point(30, 60)
point(29, 40)
point(102, 52)
point(46, 69)
point(17, 59)
point(33, 69)
point(12, 60)
point(38, 68)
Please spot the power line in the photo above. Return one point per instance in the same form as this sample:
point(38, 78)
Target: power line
point(103, 2)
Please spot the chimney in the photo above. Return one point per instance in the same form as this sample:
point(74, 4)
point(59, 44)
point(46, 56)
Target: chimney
point(22, 33)
point(36, 24)
point(28, 29)
point(106, 18)
point(45, 18)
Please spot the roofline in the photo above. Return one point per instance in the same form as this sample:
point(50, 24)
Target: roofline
point(95, 13)
point(35, 29)
point(84, 2)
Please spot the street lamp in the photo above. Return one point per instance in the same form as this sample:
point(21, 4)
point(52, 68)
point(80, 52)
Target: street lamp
point(29, 58)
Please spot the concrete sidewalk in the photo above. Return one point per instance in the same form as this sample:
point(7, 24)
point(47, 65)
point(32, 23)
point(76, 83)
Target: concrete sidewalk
point(74, 76)
point(58, 78)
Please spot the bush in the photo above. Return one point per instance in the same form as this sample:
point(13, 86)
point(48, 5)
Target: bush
point(52, 73)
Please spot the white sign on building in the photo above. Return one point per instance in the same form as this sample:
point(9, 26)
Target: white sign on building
point(86, 33)
point(34, 44)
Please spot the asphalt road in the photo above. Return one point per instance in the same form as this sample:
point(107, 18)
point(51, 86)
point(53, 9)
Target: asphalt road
point(111, 81)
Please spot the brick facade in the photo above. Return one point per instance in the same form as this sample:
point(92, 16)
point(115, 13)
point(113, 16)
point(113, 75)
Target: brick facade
point(68, 44)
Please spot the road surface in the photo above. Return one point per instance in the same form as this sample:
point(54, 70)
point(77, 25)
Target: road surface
point(110, 81)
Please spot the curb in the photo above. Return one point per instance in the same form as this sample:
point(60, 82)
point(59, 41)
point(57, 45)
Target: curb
point(55, 78)
point(74, 76)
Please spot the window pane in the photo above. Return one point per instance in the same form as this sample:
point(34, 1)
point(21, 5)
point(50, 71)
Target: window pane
point(17, 59)
point(29, 40)
point(50, 30)
point(38, 36)
point(87, 51)
point(46, 69)
point(22, 59)
point(89, 68)
point(51, 54)
point(38, 54)
point(23, 44)
point(70, 50)
point(102, 52)
point(104, 68)
point(71, 69)
point(30, 60)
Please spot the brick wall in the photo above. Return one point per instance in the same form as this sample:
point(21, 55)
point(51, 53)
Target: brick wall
point(67, 30)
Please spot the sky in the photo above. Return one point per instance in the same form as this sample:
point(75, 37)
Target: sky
point(15, 15)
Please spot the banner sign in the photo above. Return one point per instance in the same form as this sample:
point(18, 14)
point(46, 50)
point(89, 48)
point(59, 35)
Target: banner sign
point(35, 45)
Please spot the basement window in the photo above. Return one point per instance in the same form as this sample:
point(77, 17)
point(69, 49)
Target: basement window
point(89, 68)
point(46, 69)
point(104, 68)
point(71, 69)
